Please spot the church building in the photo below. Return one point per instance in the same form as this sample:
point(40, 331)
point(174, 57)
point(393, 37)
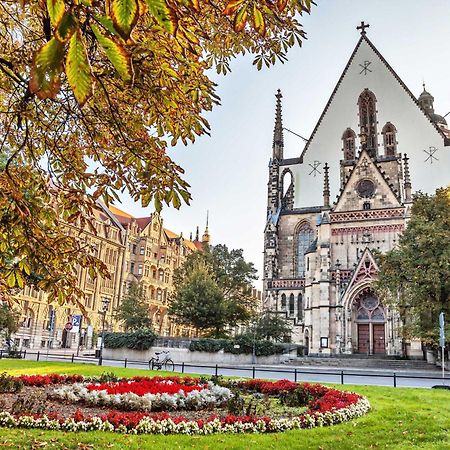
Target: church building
point(347, 195)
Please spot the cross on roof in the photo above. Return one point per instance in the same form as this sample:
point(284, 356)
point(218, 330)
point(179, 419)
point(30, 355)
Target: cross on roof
point(363, 27)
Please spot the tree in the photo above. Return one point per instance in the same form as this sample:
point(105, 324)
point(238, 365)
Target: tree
point(227, 273)
point(198, 300)
point(133, 310)
point(415, 276)
point(9, 321)
point(92, 93)
point(273, 327)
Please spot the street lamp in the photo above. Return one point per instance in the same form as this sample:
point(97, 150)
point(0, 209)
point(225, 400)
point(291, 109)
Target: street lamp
point(105, 305)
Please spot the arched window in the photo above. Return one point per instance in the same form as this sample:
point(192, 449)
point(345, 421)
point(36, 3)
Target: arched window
point(287, 189)
point(291, 304)
point(389, 137)
point(300, 306)
point(283, 301)
point(348, 143)
point(368, 122)
point(305, 237)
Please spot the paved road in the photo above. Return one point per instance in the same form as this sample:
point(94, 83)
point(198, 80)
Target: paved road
point(324, 375)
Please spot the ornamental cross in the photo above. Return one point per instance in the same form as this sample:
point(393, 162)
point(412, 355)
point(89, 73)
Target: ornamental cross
point(315, 168)
point(365, 67)
point(363, 168)
point(430, 151)
point(363, 27)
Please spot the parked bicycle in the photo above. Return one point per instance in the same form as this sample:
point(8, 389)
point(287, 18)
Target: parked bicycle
point(162, 361)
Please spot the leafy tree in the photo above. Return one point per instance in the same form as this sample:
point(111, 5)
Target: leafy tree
point(273, 327)
point(415, 276)
point(198, 300)
point(92, 93)
point(133, 310)
point(9, 321)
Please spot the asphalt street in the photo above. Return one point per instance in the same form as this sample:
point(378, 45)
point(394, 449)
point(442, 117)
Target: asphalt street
point(343, 375)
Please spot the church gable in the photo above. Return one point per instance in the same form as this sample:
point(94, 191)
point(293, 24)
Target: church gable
point(366, 270)
point(366, 188)
point(397, 125)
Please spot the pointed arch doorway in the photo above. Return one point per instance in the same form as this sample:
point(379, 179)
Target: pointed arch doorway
point(370, 320)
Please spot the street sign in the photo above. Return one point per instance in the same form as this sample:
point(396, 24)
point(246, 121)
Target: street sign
point(68, 326)
point(76, 324)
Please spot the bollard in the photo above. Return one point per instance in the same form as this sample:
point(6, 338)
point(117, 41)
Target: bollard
point(217, 373)
point(73, 357)
point(24, 353)
point(37, 356)
point(253, 372)
point(395, 379)
point(126, 360)
point(295, 375)
point(342, 377)
point(182, 367)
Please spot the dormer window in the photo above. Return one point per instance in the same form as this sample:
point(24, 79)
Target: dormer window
point(348, 144)
point(390, 142)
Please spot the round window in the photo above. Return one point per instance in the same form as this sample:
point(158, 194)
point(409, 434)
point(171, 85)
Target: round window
point(365, 188)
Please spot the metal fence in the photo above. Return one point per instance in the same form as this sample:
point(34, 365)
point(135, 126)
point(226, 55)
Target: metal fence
point(340, 376)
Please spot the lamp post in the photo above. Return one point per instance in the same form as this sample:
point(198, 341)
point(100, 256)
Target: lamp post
point(105, 305)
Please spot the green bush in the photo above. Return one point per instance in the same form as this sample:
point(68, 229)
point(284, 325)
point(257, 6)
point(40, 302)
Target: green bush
point(207, 345)
point(241, 344)
point(142, 339)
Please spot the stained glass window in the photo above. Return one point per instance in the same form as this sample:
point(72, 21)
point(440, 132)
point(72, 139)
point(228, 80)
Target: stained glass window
point(305, 237)
point(291, 304)
point(348, 142)
point(368, 122)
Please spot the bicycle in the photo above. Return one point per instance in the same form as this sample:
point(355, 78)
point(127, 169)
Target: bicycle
point(165, 363)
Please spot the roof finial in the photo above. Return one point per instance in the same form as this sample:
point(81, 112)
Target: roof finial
point(197, 235)
point(363, 27)
point(278, 142)
point(406, 179)
point(326, 186)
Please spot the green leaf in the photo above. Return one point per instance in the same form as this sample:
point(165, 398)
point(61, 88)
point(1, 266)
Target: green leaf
point(124, 14)
point(107, 24)
point(46, 70)
point(66, 27)
point(116, 53)
point(56, 10)
point(78, 69)
point(163, 14)
point(258, 21)
point(240, 19)
point(11, 279)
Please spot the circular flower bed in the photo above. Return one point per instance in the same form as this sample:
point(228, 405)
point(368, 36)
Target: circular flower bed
point(174, 405)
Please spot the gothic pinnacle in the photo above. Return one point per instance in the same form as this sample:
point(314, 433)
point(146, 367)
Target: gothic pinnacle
point(406, 179)
point(278, 142)
point(326, 186)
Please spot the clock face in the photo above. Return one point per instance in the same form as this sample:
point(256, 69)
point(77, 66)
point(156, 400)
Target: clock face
point(365, 188)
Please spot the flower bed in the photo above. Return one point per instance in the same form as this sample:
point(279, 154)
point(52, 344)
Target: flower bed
point(324, 406)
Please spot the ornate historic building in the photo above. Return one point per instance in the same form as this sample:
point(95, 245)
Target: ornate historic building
point(372, 143)
point(134, 249)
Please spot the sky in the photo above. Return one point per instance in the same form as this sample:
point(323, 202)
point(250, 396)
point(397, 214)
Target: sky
point(228, 171)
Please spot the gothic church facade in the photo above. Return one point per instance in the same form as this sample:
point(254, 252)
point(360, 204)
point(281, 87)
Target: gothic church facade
point(374, 142)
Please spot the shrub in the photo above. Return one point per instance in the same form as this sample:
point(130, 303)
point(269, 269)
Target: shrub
point(9, 384)
point(142, 339)
point(207, 345)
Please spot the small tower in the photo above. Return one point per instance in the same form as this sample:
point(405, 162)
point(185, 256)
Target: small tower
point(426, 102)
point(406, 180)
point(278, 141)
point(206, 237)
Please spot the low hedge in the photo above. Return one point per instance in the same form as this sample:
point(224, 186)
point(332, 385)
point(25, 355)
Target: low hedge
point(241, 344)
point(138, 340)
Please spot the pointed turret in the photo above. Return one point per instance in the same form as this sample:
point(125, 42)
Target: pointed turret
point(197, 235)
point(326, 186)
point(206, 237)
point(426, 102)
point(278, 142)
point(407, 179)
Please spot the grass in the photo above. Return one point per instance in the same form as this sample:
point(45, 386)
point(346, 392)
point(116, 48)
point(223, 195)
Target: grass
point(401, 418)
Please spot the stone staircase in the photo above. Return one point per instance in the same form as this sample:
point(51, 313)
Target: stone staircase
point(360, 362)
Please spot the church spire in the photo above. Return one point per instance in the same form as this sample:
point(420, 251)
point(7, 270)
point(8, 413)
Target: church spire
point(326, 186)
point(206, 237)
point(406, 179)
point(278, 142)
point(197, 235)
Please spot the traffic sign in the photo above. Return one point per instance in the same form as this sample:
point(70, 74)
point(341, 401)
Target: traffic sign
point(68, 326)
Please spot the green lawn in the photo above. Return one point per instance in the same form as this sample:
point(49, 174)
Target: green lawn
point(401, 418)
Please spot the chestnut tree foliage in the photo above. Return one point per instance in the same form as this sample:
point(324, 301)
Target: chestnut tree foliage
point(92, 95)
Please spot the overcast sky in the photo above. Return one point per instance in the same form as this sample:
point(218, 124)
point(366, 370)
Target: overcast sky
point(228, 171)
